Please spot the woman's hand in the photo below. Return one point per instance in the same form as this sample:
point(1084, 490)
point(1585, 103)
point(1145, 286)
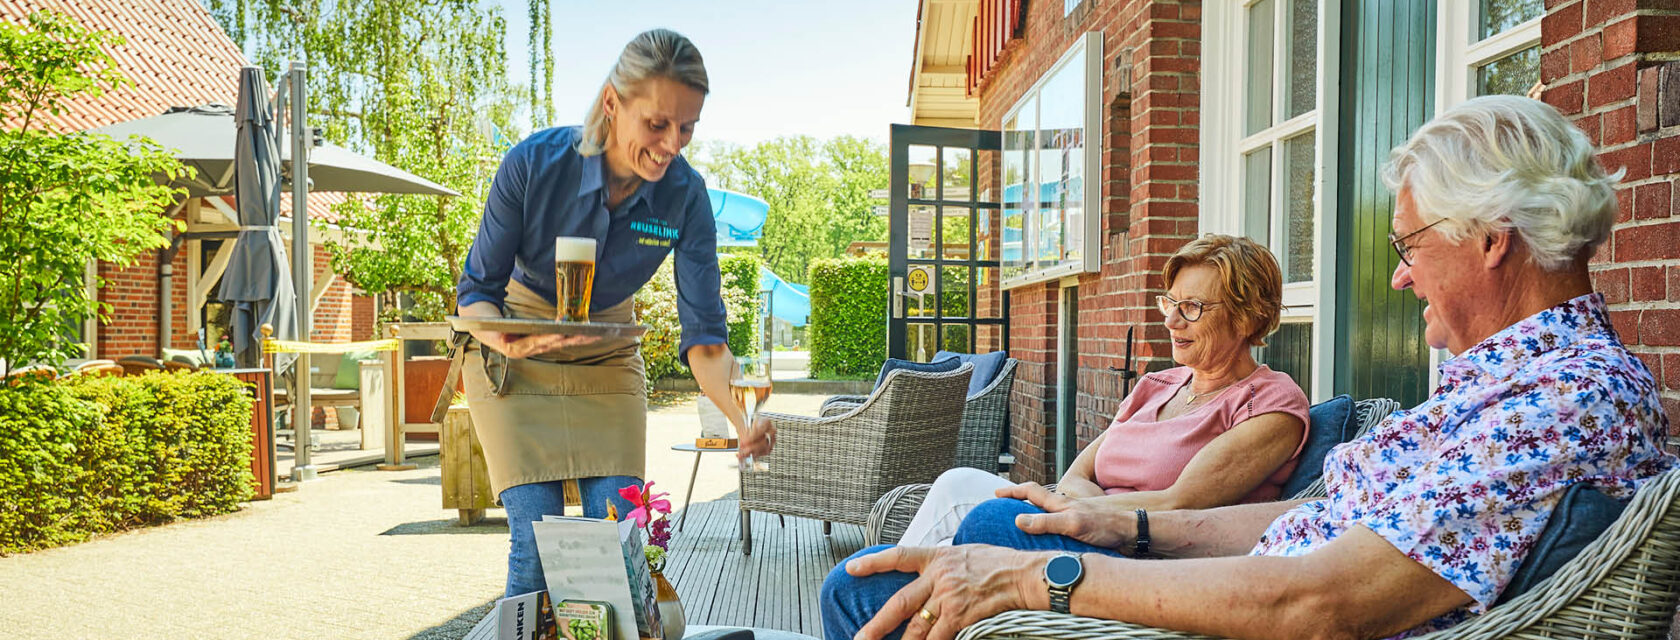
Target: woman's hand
point(957, 586)
point(757, 441)
point(1100, 521)
point(515, 345)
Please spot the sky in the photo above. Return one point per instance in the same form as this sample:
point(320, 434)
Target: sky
point(777, 67)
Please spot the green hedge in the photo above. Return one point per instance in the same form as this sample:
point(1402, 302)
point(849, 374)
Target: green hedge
point(848, 326)
point(656, 307)
point(86, 456)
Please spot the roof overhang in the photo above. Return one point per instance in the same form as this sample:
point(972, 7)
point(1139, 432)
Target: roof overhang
point(938, 74)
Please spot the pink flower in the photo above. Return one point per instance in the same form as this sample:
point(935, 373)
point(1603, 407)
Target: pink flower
point(649, 505)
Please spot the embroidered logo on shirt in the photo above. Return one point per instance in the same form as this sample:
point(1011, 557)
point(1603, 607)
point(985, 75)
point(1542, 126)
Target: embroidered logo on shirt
point(653, 232)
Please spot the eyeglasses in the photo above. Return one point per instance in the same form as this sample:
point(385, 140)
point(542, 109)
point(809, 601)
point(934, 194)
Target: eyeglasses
point(1405, 250)
point(1190, 310)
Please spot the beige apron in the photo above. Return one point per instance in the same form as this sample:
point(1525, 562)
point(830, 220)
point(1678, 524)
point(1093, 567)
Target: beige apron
point(579, 412)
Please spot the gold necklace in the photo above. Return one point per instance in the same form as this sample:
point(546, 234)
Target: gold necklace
point(1192, 395)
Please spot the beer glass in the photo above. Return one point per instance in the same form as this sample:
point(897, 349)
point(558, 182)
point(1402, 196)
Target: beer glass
point(574, 278)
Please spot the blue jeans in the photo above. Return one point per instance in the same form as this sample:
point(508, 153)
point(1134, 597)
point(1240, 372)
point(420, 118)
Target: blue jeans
point(848, 602)
point(528, 503)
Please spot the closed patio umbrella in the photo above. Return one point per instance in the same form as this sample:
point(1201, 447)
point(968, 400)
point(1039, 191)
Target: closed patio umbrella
point(257, 280)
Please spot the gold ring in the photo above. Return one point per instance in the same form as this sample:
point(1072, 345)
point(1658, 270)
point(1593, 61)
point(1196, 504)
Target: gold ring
point(929, 616)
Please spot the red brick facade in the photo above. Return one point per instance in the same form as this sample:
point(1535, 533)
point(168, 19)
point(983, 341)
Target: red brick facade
point(1609, 64)
point(1149, 174)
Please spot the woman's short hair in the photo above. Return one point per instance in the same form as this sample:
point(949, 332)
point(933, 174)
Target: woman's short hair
point(1251, 285)
point(658, 53)
point(1507, 162)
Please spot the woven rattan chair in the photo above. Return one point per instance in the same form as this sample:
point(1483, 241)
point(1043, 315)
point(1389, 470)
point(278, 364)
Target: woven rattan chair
point(893, 512)
point(1623, 585)
point(833, 468)
point(985, 419)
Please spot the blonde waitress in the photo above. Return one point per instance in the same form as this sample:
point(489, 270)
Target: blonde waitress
point(551, 408)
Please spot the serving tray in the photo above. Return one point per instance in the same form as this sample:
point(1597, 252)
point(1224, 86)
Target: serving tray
point(532, 326)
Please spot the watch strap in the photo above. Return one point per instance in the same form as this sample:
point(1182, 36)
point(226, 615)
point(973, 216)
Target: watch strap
point(1140, 547)
point(1059, 597)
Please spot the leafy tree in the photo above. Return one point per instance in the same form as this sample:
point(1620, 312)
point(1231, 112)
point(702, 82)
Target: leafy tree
point(818, 194)
point(66, 199)
point(419, 85)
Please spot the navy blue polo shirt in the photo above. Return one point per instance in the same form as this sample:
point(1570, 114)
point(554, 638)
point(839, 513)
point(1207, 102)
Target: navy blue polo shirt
point(545, 189)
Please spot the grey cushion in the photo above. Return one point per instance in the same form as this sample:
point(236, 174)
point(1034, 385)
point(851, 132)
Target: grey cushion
point(937, 366)
point(1581, 516)
point(986, 367)
point(1332, 422)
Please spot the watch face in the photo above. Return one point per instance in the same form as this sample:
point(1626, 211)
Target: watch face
point(1064, 571)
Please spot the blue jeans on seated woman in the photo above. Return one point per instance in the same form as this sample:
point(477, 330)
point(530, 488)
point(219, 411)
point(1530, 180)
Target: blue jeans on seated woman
point(849, 602)
point(528, 503)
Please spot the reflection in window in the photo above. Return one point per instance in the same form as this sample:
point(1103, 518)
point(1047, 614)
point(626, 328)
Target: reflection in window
point(1045, 147)
point(1298, 205)
point(1511, 75)
point(1017, 145)
point(1500, 15)
point(1259, 96)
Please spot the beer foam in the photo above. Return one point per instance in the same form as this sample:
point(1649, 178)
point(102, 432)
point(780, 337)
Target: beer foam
point(574, 249)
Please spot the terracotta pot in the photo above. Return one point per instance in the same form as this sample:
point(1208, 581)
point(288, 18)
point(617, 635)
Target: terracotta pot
point(422, 380)
point(670, 607)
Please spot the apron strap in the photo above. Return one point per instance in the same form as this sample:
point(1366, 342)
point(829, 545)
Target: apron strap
point(457, 357)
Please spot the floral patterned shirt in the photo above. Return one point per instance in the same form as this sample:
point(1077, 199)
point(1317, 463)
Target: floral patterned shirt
point(1464, 482)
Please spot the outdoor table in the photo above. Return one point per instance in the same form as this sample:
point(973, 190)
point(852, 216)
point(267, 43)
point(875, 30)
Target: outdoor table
point(688, 446)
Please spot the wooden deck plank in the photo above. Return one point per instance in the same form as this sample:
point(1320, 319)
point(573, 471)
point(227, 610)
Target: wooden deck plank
point(814, 564)
point(706, 545)
point(738, 588)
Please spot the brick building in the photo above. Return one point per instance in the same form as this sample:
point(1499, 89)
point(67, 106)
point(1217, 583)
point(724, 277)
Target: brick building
point(176, 55)
point(1270, 118)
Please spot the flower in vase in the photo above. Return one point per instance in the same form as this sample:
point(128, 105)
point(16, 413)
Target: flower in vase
point(649, 514)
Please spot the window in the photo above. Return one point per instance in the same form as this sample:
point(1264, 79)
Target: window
point(1487, 47)
point(1050, 218)
point(1263, 140)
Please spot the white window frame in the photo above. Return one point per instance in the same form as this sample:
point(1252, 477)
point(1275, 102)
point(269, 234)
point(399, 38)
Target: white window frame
point(1225, 35)
point(1458, 56)
point(1090, 250)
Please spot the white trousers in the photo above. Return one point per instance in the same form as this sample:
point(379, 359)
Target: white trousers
point(952, 496)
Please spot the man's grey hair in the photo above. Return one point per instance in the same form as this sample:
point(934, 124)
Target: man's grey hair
point(658, 53)
point(1499, 163)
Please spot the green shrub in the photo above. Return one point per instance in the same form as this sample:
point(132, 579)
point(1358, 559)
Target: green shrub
point(656, 307)
point(848, 326)
point(86, 456)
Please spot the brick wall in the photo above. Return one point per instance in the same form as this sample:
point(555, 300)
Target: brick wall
point(1608, 64)
point(1151, 93)
point(363, 317)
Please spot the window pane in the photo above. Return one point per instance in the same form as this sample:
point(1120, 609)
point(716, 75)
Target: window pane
point(921, 223)
point(1061, 168)
point(920, 342)
point(1017, 175)
point(1303, 58)
point(1512, 75)
point(1257, 195)
point(923, 170)
point(1298, 203)
point(1261, 17)
point(954, 242)
point(1500, 15)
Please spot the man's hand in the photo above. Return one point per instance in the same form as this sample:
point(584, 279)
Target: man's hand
point(514, 345)
point(1097, 521)
point(958, 586)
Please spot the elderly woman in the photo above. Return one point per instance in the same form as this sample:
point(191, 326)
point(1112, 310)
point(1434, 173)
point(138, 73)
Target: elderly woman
point(1500, 204)
point(1219, 430)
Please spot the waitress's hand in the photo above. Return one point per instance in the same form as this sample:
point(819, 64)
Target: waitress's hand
point(514, 345)
point(757, 441)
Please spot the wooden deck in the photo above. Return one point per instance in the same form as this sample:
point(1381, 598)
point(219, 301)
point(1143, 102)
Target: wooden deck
point(774, 588)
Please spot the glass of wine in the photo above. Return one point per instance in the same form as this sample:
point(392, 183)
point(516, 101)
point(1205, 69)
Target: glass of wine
point(751, 388)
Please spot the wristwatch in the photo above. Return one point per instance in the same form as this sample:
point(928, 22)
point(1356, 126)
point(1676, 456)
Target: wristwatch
point(1062, 573)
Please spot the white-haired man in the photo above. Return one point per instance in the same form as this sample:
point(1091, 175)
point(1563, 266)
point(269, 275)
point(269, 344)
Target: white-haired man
point(1500, 204)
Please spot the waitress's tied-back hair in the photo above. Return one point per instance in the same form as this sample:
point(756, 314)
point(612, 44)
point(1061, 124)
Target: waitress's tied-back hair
point(658, 53)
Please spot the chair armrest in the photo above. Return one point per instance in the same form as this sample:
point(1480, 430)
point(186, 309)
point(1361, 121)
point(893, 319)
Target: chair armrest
point(842, 399)
point(1062, 626)
point(891, 514)
point(838, 408)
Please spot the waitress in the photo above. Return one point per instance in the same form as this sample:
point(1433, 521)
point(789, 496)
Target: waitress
point(552, 408)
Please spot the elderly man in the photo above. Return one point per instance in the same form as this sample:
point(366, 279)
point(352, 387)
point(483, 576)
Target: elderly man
point(1500, 204)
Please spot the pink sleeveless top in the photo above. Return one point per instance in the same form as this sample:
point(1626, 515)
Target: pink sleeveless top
point(1145, 454)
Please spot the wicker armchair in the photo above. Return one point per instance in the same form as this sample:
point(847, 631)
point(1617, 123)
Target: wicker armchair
point(892, 513)
point(1623, 585)
point(985, 419)
point(833, 468)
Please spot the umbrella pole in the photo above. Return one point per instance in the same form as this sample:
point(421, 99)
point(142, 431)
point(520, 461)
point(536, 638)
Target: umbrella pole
point(303, 468)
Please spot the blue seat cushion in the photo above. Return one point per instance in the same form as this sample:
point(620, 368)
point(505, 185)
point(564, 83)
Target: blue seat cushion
point(1332, 423)
point(1581, 517)
point(937, 366)
point(986, 367)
